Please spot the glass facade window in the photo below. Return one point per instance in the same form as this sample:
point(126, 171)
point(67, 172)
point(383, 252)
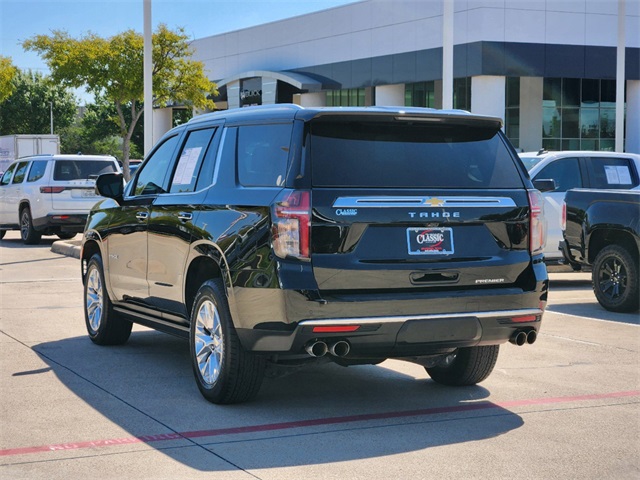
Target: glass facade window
point(578, 114)
point(420, 94)
point(512, 110)
point(462, 93)
point(349, 97)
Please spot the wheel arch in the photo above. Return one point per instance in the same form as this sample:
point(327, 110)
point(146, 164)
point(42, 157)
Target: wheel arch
point(602, 238)
point(207, 262)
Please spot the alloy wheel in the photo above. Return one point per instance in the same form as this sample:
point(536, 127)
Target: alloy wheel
point(95, 299)
point(209, 346)
point(613, 278)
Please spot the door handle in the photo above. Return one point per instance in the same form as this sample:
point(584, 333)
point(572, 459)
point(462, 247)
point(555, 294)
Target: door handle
point(185, 216)
point(142, 215)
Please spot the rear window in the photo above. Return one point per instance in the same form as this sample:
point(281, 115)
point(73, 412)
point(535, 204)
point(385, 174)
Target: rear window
point(81, 169)
point(612, 173)
point(354, 153)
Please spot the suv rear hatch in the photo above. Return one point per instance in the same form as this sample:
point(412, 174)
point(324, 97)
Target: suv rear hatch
point(415, 203)
point(73, 184)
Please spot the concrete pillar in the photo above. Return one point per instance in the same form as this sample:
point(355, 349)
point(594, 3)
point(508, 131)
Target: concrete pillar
point(162, 122)
point(530, 113)
point(390, 95)
point(315, 99)
point(233, 94)
point(269, 90)
point(632, 143)
point(488, 95)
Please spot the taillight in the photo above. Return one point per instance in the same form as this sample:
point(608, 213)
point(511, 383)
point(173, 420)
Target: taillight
point(537, 227)
point(52, 189)
point(563, 219)
point(290, 224)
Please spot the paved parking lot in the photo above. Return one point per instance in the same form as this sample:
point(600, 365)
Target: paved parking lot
point(566, 407)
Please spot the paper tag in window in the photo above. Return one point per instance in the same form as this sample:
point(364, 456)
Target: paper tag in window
point(618, 175)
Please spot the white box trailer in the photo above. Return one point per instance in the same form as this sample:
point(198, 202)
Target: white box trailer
point(13, 147)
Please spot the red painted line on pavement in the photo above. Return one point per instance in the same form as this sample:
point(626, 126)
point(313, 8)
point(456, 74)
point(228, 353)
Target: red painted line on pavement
point(311, 423)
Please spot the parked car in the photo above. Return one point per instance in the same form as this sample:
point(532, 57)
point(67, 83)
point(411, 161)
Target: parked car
point(602, 231)
point(577, 169)
point(276, 236)
point(50, 194)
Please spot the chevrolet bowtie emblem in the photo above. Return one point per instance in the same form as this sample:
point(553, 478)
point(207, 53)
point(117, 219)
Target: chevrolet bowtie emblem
point(434, 202)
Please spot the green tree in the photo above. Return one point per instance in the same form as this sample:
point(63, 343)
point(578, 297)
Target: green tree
point(7, 73)
point(28, 109)
point(113, 68)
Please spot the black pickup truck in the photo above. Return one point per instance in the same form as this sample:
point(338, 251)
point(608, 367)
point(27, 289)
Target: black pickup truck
point(602, 231)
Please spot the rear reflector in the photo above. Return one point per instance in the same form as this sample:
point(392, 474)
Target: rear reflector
point(52, 189)
point(335, 328)
point(524, 318)
point(61, 217)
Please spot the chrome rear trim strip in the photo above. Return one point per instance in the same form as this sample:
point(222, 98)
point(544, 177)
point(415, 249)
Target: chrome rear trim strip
point(413, 202)
point(406, 318)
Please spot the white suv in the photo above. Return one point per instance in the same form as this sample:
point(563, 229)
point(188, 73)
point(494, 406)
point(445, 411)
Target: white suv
point(50, 194)
point(577, 169)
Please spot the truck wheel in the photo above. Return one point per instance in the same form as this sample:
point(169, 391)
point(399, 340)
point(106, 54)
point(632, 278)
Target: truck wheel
point(30, 236)
point(466, 366)
point(225, 372)
point(104, 325)
point(66, 235)
point(615, 279)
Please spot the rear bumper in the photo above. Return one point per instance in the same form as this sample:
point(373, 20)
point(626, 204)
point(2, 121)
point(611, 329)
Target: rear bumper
point(399, 336)
point(67, 222)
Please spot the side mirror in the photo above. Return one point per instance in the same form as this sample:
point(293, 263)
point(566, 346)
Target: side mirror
point(545, 185)
point(110, 185)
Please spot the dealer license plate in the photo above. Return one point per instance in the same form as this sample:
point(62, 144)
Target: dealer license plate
point(430, 241)
point(88, 193)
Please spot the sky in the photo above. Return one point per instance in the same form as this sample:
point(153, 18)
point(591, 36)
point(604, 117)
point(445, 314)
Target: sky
point(22, 19)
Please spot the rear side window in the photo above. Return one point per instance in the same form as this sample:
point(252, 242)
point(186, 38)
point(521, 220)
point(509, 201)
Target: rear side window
point(612, 173)
point(6, 177)
point(190, 160)
point(263, 154)
point(37, 170)
point(81, 169)
point(20, 172)
point(353, 153)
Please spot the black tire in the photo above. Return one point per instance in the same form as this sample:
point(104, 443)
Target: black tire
point(30, 236)
point(104, 325)
point(466, 366)
point(65, 235)
point(225, 372)
point(615, 279)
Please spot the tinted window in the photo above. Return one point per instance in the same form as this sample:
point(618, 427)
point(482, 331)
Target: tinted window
point(65, 170)
point(6, 178)
point(263, 154)
point(153, 176)
point(20, 172)
point(354, 153)
point(565, 172)
point(190, 160)
point(616, 173)
point(37, 170)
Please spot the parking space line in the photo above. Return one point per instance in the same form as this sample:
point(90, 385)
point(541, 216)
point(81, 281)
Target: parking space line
point(311, 423)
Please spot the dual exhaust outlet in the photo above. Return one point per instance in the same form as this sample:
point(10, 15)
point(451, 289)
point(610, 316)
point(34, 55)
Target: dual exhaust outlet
point(521, 337)
point(320, 348)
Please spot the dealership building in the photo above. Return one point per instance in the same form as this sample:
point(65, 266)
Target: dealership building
point(547, 68)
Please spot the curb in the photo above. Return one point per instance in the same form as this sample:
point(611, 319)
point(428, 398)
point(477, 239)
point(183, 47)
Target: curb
point(70, 249)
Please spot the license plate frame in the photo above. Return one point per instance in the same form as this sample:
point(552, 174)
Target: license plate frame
point(430, 241)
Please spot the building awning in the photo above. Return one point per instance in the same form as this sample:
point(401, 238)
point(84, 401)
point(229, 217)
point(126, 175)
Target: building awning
point(298, 80)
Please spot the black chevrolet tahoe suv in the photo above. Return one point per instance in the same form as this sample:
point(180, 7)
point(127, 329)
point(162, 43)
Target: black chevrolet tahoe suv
point(275, 236)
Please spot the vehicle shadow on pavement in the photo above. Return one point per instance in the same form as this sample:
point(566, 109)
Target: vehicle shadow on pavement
point(317, 415)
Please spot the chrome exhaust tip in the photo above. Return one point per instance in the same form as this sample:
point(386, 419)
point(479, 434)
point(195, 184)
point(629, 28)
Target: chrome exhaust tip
point(519, 338)
point(317, 349)
point(340, 349)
